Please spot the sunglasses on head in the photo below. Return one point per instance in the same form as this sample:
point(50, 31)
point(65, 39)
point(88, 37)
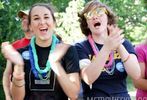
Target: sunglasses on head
point(95, 12)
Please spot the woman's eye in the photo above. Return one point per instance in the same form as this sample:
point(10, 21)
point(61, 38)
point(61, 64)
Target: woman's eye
point(46, 17)
point(36, 18)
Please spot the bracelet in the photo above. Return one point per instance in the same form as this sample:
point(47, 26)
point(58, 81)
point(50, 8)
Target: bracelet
point(126, 58)
point(18, 83)
point(18, 79)
point(18, 76)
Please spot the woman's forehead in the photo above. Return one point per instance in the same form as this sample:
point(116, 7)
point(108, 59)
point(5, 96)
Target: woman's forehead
point(40, 10)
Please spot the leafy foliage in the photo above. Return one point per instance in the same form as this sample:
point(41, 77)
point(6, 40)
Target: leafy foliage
point(132, 16)
point(67, 22)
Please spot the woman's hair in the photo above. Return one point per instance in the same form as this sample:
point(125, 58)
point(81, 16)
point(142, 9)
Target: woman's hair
point(90, 5)
point(48, 6)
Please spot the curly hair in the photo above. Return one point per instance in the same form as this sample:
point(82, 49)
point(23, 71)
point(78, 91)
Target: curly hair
point(90, 5)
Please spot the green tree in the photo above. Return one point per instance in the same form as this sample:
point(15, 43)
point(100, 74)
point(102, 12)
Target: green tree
point(132, 15)
point(67, 22)
point(10, 29)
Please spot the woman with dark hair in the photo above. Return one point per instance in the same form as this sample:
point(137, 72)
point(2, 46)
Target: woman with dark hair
point(140, 84)
point(106, 58)
point(47, 69)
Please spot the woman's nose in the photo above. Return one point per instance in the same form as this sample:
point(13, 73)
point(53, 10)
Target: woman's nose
point(95, 17)
point(42, 21)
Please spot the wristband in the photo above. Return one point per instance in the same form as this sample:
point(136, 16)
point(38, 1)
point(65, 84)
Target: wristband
point(18, 83)
point(18, 76)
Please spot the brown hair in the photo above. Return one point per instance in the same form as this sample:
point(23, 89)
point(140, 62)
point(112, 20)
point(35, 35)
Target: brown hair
point(90, 5)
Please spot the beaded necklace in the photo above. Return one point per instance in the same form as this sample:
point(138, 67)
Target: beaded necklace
point(41, 73)
point(110, 66)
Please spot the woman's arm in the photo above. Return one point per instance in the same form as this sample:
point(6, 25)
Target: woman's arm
point(70, 83)
point(18, 84)
point(7, 80)
point(91, 71)
point(141, 82)
point(130, 62)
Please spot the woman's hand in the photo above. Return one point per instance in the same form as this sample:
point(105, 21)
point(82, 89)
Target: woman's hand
point(115, 38)
point(56, 56)
point(11, 54)
point(58, 53)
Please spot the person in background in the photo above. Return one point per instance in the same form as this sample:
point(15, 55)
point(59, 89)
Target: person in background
point(140, 84)
point(106, 58)
point(47, 69)
point(23, 15)
point(23, 42)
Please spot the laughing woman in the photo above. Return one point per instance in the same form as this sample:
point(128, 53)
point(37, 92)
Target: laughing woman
point(105, 57)
point(46, 69)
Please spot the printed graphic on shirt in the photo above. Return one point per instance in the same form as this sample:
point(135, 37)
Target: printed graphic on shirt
point(117, 64)
point(42, 85)
point(120, 67)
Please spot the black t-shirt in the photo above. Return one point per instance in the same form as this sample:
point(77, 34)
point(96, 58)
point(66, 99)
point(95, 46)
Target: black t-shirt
point(107, 84)
point(49, 89)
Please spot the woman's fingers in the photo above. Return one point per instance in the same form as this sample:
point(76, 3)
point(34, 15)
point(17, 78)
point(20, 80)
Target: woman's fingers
point(115, 37)
point(10, 53)
point(114, 30)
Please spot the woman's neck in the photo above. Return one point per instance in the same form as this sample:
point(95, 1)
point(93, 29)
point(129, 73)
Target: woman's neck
point(99, 38)
point(44, 43)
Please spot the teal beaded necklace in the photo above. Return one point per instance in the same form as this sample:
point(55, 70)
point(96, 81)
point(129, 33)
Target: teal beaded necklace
point(47, 69)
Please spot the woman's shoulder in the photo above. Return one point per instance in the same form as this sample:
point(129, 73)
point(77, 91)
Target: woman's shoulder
point(82, 44)
point(128, 43)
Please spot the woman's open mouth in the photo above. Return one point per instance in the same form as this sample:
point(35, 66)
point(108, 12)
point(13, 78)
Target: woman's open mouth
point(97, 24)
